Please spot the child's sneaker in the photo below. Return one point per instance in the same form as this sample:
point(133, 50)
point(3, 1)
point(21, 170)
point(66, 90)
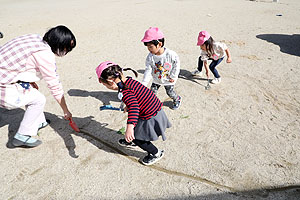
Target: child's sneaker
point(126, 144)
point(151, 159)
point(197, 73)
point(177, 103)
point(216, 81)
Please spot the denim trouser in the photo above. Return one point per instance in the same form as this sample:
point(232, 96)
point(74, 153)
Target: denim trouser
point(212, 66)
point(169, 89)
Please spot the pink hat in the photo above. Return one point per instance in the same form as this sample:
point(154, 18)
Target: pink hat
point(153, 33)
point(103, 66)
point(203, 36)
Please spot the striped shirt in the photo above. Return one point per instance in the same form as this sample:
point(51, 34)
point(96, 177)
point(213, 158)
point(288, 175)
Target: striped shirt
point(141, 102)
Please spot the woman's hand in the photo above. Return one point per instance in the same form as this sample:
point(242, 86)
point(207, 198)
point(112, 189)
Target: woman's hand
point(63, 105)
point(67, 115)
point(129, 135)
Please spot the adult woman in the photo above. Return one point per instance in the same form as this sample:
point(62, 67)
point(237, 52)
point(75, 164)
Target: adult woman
point(23, 61)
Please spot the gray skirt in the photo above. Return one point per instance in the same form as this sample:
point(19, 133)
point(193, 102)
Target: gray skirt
point(151, 129)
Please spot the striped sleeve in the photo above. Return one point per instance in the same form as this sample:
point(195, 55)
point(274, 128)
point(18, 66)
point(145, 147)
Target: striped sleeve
point(133, 107)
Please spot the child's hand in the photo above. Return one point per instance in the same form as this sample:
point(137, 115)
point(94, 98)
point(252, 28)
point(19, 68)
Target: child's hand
point(171, 80)
point(228, 60)
point(129, 135)
point(125, 109)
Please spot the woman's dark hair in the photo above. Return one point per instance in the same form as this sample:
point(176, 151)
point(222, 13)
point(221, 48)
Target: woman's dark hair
point(155, 42)
point(209, 46)
point(60, 38)
point(115, 71)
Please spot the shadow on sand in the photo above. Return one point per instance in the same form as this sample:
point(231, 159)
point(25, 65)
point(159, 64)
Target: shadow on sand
point(104, 97)
point(184, 74)
point(289, 44)
point(105, 139)
point(275, 193)
point(95, 132)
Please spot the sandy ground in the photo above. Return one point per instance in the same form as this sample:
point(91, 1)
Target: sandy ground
point(238, 140)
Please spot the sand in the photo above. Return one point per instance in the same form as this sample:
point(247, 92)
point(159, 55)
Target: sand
point(238, 140)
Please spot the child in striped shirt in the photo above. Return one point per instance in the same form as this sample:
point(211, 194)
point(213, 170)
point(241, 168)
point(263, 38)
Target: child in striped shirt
point(146, 118)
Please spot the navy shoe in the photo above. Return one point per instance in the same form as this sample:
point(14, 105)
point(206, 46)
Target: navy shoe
point(151, 159)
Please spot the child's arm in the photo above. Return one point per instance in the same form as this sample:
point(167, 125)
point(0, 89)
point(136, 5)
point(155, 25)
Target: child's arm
point(148, 72)
point(147, 76)
point(175, 69)
point(206, 68)
point(133, 114)
point(228, 56)
point(129, 135)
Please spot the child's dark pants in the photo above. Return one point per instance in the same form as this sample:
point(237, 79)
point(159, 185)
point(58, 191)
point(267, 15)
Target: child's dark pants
point(146, 146)
point(212, 66)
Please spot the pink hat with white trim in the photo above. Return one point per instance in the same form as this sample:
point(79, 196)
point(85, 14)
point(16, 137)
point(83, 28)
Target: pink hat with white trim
point(103, 66)
point(153, 33)
point(203, 36)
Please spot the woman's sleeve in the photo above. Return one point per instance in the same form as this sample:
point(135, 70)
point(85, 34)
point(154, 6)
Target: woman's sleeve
point(45, 60)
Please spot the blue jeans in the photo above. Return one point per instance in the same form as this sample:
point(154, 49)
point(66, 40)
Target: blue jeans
point(212, 66)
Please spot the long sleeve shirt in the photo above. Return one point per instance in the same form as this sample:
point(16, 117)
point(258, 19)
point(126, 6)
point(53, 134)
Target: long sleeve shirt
point(162, 68)
point(219, 52)
point(141, 102)
point(41, 65)
point(28, 58)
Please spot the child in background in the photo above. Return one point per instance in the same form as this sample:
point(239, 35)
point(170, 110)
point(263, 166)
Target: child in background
point(162, 65)
point(211, 50)
point(146, 118)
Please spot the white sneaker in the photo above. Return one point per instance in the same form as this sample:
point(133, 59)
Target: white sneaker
point(197, 73)
point(216, 80)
